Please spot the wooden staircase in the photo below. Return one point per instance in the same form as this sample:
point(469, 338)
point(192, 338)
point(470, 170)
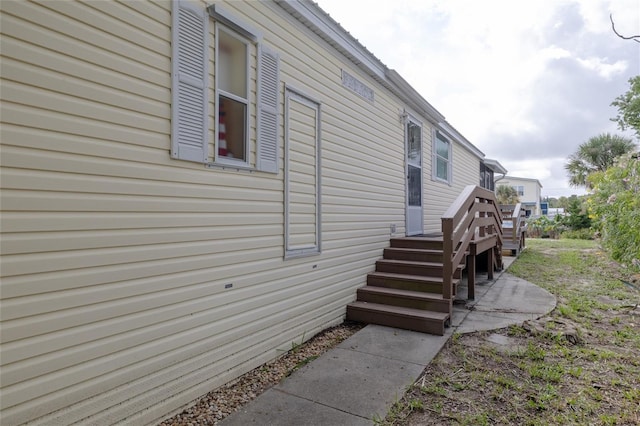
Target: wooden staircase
point(406, 290)
point(514, 228)
point(414, 284)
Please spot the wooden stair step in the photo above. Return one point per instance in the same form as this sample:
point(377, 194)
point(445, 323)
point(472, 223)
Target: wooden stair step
point(415, 262)
point(419, 255)
point(427, 243)
point(406, 298)
point(426, 279)
point(434, 253)
point(414, 268)
point(424, 283)
point(398, 317)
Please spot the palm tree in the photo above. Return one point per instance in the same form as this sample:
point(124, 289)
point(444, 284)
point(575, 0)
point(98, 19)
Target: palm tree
point(507, 195)
point(596, 155)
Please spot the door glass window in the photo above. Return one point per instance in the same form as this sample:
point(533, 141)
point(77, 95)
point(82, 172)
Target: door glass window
point(414, 143)
point(415, 186)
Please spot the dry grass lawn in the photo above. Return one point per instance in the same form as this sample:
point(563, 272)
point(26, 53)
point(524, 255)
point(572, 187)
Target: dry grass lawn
point(580, 365)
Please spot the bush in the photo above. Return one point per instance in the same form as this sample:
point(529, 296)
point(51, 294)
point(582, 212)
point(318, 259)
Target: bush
point(577, 217)
point(615, 209)
point(543, 227)
point(578, 234)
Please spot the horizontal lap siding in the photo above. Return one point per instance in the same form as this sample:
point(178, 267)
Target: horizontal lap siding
point(302, 175)
point(115, 258)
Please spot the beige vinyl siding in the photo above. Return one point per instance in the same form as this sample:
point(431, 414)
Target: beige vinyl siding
point(438, 195)
point(116, 258)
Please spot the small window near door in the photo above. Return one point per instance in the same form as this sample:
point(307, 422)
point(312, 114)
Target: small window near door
point(442, 158)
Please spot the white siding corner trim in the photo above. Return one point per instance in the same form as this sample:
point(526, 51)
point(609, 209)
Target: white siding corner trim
point(268, 101)
point(302, 175)
point(189, 82)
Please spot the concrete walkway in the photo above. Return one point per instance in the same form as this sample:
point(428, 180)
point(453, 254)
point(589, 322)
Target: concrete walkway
point(363, 376)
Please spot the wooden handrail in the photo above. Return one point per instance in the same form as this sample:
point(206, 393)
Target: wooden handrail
point(474, 214)
point(517, 219)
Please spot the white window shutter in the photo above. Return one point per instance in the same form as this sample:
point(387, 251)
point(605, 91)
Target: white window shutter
point(268, 90)
point(189, 92)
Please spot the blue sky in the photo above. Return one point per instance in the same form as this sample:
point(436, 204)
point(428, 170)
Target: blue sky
point(525, 81)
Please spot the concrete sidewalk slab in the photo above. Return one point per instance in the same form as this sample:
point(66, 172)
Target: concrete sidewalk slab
point(354, 382)
point(507, 301)
point(394, 343)
point(361, 377)
point(277, 408)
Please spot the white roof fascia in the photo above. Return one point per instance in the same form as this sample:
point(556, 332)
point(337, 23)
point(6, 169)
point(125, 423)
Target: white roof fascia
point(321, 23)
point(495, 166)
point(314, 18)
point(521, 178)
point(449, 130)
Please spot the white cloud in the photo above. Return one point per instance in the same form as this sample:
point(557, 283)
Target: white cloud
point(554, 52)
point(530, 79)
point(602, 68)
point(624, 12)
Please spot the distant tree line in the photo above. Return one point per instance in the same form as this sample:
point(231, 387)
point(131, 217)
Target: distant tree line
point(563, 202)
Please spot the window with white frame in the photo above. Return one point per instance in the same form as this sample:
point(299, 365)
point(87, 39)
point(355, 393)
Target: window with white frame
point(240, 60)
point(442, 167)
point(519, 189)
point(232, 95)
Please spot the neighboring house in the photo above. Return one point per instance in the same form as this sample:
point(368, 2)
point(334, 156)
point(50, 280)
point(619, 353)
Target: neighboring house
point(189, 189)
point(529, 192)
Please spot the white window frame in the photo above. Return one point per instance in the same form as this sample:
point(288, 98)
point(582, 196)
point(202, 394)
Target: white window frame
point(245, 101)
point(449, 161)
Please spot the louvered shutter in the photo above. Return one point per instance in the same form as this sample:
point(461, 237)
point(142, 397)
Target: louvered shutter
point(268, 89)
point(189, 83)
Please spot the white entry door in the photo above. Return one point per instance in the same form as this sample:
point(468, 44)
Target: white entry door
point(414, 177)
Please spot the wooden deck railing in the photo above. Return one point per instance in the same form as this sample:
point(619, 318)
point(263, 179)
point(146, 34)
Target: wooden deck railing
point(474, 215)
point(516, 217)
